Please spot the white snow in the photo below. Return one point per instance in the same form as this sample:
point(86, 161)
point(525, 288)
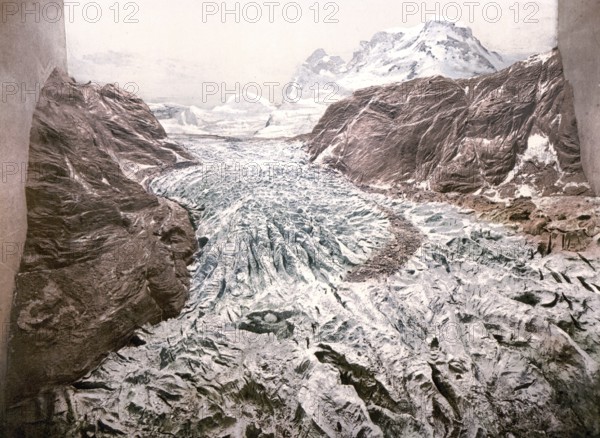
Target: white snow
point(540, 150)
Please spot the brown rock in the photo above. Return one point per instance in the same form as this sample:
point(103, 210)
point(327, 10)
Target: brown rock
point(103, 256)
point(458, 135)
point(536, 227)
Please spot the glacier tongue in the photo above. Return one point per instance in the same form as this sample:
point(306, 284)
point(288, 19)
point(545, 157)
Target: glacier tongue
point(472, 336)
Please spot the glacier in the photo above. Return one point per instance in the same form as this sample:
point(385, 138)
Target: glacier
point(321, 310)
point(475, 335)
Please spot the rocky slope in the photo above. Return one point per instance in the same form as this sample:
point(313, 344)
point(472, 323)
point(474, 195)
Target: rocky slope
point(103, 256)
point(506, 134)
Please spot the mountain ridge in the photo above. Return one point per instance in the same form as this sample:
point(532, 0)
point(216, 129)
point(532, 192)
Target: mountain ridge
point(103, 256)
point(501, 133)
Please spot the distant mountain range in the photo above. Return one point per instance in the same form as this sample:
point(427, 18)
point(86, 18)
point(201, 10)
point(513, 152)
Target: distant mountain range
point(397, 55)
point(394, 55)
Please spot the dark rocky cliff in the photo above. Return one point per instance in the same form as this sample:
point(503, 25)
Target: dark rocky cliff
point(503, 131)
point(103, 256)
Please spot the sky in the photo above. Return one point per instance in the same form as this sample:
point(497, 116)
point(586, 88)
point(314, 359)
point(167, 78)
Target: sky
point(169, 51)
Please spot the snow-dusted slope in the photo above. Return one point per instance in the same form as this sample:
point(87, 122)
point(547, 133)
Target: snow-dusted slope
point(395, 55)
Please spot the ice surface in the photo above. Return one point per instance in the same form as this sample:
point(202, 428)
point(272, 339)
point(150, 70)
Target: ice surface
point(473, 333)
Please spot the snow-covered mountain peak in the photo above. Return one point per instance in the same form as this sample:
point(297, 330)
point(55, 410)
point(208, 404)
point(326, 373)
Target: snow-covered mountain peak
point(320, 60)
point(436, 47)
point(320, 67)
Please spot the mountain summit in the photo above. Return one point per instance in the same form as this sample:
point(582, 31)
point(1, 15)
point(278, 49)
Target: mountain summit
point(435, 48)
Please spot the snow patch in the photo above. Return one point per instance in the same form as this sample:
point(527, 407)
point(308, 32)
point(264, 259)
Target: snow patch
point(540, 150)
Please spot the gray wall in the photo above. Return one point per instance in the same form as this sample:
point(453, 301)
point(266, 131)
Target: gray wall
point(579, 43)
point(31, 46)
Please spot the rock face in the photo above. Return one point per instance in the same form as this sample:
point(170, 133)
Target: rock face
point(509, 133)
point(103, 256)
